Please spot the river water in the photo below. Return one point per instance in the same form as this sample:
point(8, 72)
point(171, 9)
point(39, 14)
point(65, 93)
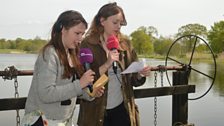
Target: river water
point(206, 111)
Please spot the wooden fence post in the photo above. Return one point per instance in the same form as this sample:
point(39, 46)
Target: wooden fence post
point(180, 101)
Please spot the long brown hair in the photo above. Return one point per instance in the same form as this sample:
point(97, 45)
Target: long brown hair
point(66, 20)
point(107, 10)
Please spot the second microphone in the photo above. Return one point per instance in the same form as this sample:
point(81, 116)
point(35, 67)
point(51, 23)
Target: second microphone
point(86, 58)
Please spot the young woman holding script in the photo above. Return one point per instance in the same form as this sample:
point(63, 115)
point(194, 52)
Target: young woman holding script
point(112, 53)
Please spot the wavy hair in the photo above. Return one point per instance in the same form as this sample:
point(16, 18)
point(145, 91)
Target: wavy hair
point(110, 9)
point(66, 20)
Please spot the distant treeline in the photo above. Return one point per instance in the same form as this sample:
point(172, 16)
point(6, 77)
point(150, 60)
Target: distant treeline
point(28, 46)
point(147, 41)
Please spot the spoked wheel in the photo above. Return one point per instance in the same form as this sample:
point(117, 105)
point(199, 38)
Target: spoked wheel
point(187, 51)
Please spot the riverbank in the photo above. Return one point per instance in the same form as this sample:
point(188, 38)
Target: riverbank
point(15, 51)
point(12, 51)
point(197, 56)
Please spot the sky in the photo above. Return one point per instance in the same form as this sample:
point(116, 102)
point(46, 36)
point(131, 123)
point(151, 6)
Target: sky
point(30, 18)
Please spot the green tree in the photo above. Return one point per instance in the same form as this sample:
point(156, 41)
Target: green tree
point(216, 37)
point(150, 30)
point(38, 44)
point(162, 45)
point(191, 29)
point(18, 41)
point(141, 42)
point(202, 48)
point(2, 42)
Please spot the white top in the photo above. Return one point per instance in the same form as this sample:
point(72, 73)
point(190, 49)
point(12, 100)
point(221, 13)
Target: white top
point(114, 96)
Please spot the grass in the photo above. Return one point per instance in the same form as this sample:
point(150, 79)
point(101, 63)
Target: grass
point(13, 51)
point(220, 58)
point(198, 57)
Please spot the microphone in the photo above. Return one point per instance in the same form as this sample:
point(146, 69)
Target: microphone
point(112, 44)
point(86, 57)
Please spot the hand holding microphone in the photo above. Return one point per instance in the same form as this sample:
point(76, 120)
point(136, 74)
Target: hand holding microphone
point(86, 57)
point(87, 80)
point(113, 56)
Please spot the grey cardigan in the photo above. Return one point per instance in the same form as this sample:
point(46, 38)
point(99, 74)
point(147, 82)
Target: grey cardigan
point(49, 93)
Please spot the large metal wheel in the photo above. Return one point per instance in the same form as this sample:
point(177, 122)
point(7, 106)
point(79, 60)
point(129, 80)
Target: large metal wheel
point(184, 52)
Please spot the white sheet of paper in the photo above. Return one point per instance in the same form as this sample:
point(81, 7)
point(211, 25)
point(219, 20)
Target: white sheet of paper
point(134, 67)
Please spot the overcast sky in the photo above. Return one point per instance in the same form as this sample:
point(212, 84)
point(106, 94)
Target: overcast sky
point(30, 18)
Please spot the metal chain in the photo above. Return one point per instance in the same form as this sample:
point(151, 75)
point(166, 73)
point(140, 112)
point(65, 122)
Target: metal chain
point(161, 71)
point(16, 88)
point(17, 96)
point(155, 100)
point(161, 75)
point(11, 73)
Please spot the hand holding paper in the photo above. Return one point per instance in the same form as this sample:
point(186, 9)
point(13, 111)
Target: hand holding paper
point(134, 67)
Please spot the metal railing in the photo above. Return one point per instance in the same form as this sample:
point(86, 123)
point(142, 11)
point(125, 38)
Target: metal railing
point(179, 91)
